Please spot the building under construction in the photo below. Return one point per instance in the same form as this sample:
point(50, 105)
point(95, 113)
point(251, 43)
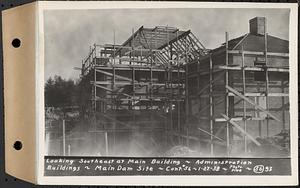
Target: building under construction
point(181, 99)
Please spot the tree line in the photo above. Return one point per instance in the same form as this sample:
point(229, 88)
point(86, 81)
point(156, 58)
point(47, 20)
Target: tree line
point(60, 92)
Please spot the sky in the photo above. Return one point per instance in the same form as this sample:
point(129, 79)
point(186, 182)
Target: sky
point(69, 33)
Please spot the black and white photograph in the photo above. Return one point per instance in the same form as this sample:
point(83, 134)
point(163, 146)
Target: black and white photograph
point(166, 85)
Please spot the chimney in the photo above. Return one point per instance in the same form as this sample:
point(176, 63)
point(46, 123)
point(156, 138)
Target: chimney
point(258, 25)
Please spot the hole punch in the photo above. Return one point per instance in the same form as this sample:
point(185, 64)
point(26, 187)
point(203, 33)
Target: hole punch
point(16, 43)
point(18, 145)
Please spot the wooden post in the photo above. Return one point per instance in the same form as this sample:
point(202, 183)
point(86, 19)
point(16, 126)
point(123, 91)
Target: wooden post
point(267, 79)
point(47, 143)
point(95, 90)
point(113, 79)
point(106, 143)
point(114, 53)
point(179, 119)
point(114, 103)
point(282, 103)
point(211, 106)
point(90, 55)
point(133, 89)
point(257, 115)
point(171, 84)
point(82, 68)
point(187, 103)
point(167, 127)
point(94, 54)
point(198, 94)
point(178, 92)
point(95, 106)
point(133, 95)
point(64, 137)
point(227, 97)
point(131, 46)
point(69, 150)
point(151, 87)
point(244, 102)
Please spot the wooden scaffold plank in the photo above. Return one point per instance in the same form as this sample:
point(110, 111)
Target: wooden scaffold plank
point(259, 53)
point(262, 69)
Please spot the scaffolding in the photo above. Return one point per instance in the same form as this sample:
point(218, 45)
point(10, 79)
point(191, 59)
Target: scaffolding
point(234, 93)
point(141, 84)
point(163, 81)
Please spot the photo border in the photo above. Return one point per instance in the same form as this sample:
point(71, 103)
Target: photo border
point(166, 180)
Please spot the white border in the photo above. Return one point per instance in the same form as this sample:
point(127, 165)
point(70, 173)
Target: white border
point(166, 180)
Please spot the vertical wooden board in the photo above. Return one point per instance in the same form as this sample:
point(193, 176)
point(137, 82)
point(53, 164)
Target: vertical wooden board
point(19, 91)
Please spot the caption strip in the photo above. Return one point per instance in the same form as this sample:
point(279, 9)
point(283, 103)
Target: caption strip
point(94, 166)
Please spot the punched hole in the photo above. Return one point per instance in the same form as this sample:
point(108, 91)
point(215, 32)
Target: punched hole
point(16, 43)
point(18, 145)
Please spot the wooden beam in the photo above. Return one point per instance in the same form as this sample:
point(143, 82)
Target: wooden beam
point(164, 61)
point(137, 68)
point(175, 39)
point(195, 38)
point(128, 59)
point(183, 136)
point(133, 129)
point(240, 129)
point(141, 99)
point(210, 134)
point(207, 95)
point(105, 88)
point(270, 69)
point(205, 73)
point(259, 53)
point(102, 87)
point(241, 41)
point(251, 102)
point(112, 46)
point(262, 94)
point(132, 36)
point(240, 119)
point(141, 84)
